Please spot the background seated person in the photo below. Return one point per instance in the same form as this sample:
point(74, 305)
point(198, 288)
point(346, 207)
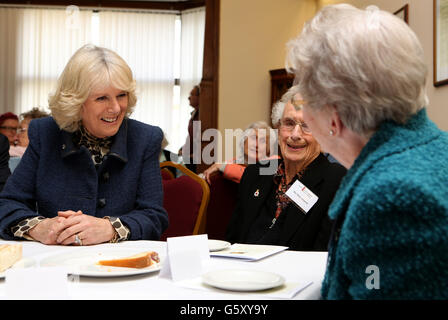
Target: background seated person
point(193, 137)
point(264, 214)
point(254, 145)
point(34, 113)
point(9, 125)
point(167, 155)
point(90, 174)
point(4, 158)
point(22, 136)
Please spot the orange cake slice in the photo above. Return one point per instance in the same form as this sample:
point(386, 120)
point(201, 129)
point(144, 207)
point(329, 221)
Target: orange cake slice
point(140, 260)
point(9, 254)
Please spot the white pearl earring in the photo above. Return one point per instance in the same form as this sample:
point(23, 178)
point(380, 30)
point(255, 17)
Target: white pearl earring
point(331, 132)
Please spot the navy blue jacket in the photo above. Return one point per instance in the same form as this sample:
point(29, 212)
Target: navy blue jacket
point(54, 175)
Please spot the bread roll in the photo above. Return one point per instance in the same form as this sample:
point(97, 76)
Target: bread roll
point(9, 254)
point(140, 260)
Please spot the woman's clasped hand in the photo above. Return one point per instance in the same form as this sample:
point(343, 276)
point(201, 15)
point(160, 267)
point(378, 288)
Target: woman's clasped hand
point(64, 228)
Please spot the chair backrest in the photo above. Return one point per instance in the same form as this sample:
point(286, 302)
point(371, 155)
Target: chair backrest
point(223, 198)
point(185, 198)
point(167, 174)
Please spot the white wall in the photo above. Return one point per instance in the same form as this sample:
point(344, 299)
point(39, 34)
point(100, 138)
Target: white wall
point(252, 42)
point(253, 37)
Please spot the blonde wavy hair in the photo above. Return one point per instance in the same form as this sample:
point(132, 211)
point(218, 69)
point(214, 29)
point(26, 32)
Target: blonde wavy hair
point(90, 67)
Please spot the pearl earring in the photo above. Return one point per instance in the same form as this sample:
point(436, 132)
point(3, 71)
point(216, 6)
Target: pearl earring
point(331, 132)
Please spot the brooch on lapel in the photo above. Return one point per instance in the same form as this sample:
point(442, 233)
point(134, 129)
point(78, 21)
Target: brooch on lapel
point(257, 193)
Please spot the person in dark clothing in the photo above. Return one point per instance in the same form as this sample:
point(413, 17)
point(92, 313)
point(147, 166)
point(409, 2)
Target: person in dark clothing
point(4, 160)
point(188, 148)
point(265, 214)
point(90, 173)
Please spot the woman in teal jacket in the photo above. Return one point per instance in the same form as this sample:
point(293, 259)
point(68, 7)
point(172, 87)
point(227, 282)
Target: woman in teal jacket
point(363, 76)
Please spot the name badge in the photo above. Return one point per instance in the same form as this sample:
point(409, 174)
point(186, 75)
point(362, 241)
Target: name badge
point(302, 196)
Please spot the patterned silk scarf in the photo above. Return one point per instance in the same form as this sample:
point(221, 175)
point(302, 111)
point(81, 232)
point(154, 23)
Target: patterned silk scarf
point(98, 147)
point(281, 198)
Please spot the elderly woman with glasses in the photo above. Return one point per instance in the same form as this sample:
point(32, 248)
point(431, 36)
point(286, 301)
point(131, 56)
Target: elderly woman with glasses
point(9, 124)
point(363, 76)
point(289, 206)
point(90, 174)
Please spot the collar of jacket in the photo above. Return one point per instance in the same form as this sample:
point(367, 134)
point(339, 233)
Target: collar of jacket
point(118, 149)
point(389, 139)
point(311, 177)
point(309, 181)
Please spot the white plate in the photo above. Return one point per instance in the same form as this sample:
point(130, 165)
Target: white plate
point(22, 263)
point(85, 262)
point(217, 245)
point(242, 280)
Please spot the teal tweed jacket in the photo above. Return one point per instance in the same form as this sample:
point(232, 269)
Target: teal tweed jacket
point(391, 233)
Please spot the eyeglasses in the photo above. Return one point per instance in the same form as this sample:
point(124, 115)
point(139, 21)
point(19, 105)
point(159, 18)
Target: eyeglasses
point(290, 124)
point(10, 129)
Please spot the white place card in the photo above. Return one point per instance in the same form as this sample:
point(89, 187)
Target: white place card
point(187, 257)
point(302, 196)
point(36, 283)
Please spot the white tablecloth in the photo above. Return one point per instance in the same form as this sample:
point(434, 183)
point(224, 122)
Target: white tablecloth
point(294, 266)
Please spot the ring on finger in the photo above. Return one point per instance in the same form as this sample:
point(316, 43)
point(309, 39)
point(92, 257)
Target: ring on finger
point(78, 240)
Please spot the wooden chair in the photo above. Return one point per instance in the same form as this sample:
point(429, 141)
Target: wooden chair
point(223, 198)
point(167, 174)
point(185, 198)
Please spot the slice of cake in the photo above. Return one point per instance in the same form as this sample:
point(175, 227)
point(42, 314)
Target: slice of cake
point(9, 254)
point(140, 260)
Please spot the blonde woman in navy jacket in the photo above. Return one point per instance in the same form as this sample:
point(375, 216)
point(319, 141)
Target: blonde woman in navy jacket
point(90, 174)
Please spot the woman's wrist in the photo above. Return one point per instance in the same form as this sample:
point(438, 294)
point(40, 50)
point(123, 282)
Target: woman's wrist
point(120, 231)
point(26, 227)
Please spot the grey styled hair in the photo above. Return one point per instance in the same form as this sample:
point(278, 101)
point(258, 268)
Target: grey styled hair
point(89, 67)
point(367, 63)
point(279, 106)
